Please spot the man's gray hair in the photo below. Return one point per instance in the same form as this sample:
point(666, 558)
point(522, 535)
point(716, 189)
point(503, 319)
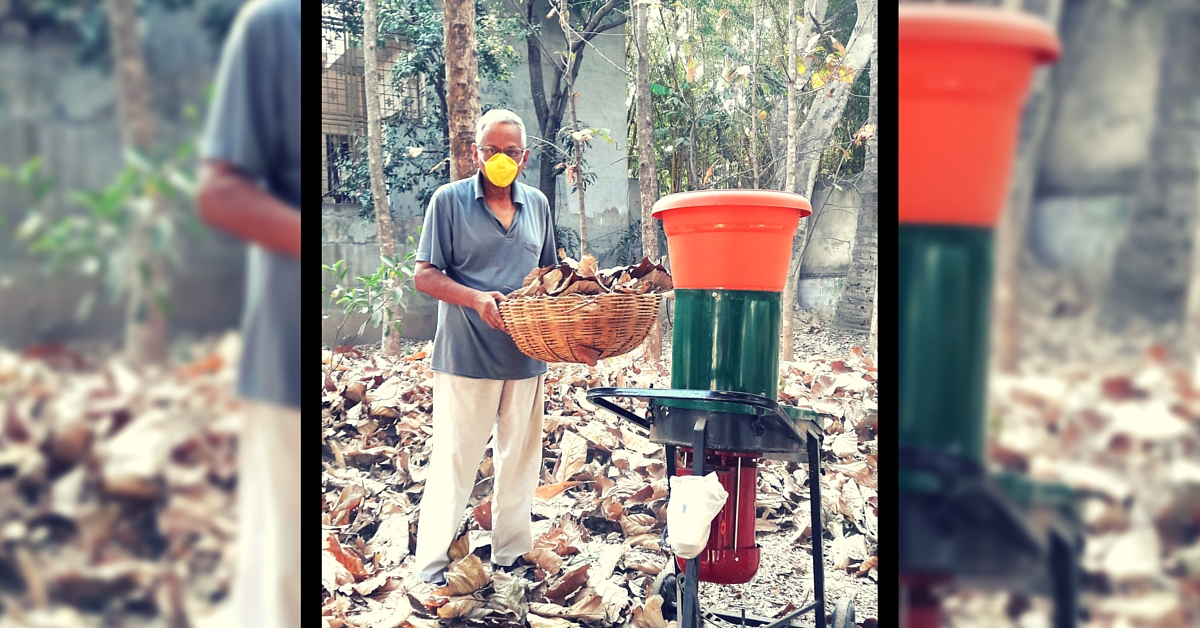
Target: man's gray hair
point(498, 116)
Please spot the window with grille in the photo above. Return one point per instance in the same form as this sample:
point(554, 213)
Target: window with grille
point(344, 98)
point(337, 148)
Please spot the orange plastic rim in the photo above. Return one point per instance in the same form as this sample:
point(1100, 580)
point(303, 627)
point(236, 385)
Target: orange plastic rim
point(964, 74)
point(730, 239)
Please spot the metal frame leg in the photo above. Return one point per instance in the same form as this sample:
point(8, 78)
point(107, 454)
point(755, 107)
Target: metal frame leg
point(1064, 581)
point(814, 498)
point(689, 616)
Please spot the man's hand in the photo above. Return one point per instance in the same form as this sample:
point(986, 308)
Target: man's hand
point(432, 281)
point(485, 305)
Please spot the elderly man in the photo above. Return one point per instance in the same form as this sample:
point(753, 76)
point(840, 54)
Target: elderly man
point(250, 188)
point(482, 235)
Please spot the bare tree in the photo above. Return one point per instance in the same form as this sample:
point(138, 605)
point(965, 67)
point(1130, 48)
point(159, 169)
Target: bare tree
point(789, 183)
point(146, 320)
point(856, 307)
point(647, 182)
point(813, 135)
point(462, 85)
point(383, 214)
point(550, 96)
point(754, 38)
point(576, 142)
point(1014, 223)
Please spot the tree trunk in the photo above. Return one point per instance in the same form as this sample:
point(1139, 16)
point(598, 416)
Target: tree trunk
point(578, 173)
point(647, 181)
point(462, 85)
point(856, 308)
point(789, 185)
point(379, 196)
point(1150, 276)
point(146, 319)
point(873, 339)
point(1014, 223)
point(753, 100)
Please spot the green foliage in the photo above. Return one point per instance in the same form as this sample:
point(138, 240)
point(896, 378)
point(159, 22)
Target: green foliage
point(376, 295)
point(416, 151)
point(94, 241)
point(87, 21)
point(705, 91)
point(567, 240)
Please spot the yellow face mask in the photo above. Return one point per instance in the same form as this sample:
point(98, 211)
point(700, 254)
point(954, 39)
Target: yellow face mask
point(501, 170)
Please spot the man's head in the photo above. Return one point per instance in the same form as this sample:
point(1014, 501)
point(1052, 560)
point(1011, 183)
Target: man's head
point(499, 148)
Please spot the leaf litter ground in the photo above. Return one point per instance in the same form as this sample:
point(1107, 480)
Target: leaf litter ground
point(600, 507)
point(1116, 416)
point(116, 487)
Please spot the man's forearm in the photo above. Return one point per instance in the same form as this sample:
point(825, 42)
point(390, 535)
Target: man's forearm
point(436, 284)
point(235, 204)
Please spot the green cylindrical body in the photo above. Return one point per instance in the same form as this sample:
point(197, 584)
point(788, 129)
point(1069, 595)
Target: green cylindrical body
point(725, 340)
point(945, 297)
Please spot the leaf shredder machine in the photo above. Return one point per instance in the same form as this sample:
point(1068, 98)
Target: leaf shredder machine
point(964, 75)
point(729, 253)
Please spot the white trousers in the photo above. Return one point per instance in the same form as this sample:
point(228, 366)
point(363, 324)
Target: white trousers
point(266, 583)
point(465, 411)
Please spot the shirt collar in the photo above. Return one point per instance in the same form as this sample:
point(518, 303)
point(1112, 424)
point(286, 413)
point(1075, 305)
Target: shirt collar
point(518, 194)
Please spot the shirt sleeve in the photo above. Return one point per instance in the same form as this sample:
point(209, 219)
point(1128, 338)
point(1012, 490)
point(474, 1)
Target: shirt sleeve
point(549, 247)
point(435, 246)
point(243, 126)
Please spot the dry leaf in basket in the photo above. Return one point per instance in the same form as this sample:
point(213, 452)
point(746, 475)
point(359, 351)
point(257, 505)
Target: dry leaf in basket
point(587, 267)
point(533, 276)
point(552, 280)
point(570, 277)
point(658, 280)
point(583, 286)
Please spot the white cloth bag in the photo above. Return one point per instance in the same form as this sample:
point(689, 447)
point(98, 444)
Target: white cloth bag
point(693, 505)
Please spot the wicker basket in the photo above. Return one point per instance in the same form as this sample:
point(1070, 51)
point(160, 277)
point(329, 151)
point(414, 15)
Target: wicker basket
point(564, 329)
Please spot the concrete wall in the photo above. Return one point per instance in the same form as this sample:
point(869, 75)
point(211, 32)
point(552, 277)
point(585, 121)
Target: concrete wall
point(827, 256)
point(50, 105)
point(1098, 135)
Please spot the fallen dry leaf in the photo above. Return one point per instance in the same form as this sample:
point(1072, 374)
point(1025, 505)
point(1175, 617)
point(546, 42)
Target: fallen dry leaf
point(549, 491)
point(545, 559)
point(537, 621)
point(347, 558)
point(649, 615)
point(458, 607)
point(568, 585)
point(572, 455)
point(463, 577)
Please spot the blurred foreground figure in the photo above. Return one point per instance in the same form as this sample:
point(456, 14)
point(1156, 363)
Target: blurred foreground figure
point(250, 187)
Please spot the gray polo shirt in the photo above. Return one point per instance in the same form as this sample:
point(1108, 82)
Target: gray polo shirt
point(463, 238)
point(254, 124)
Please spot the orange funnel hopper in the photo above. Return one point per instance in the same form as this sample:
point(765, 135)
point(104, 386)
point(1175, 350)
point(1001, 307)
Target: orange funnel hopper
point(964, 74)
point(731, 239)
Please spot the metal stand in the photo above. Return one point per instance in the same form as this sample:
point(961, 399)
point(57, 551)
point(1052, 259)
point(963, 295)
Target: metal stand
point(814, 502)
point(689, 616)
point(1065, 582)
point(964, 525)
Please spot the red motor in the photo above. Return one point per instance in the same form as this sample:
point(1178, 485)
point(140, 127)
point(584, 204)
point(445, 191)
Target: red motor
point(731, 556)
